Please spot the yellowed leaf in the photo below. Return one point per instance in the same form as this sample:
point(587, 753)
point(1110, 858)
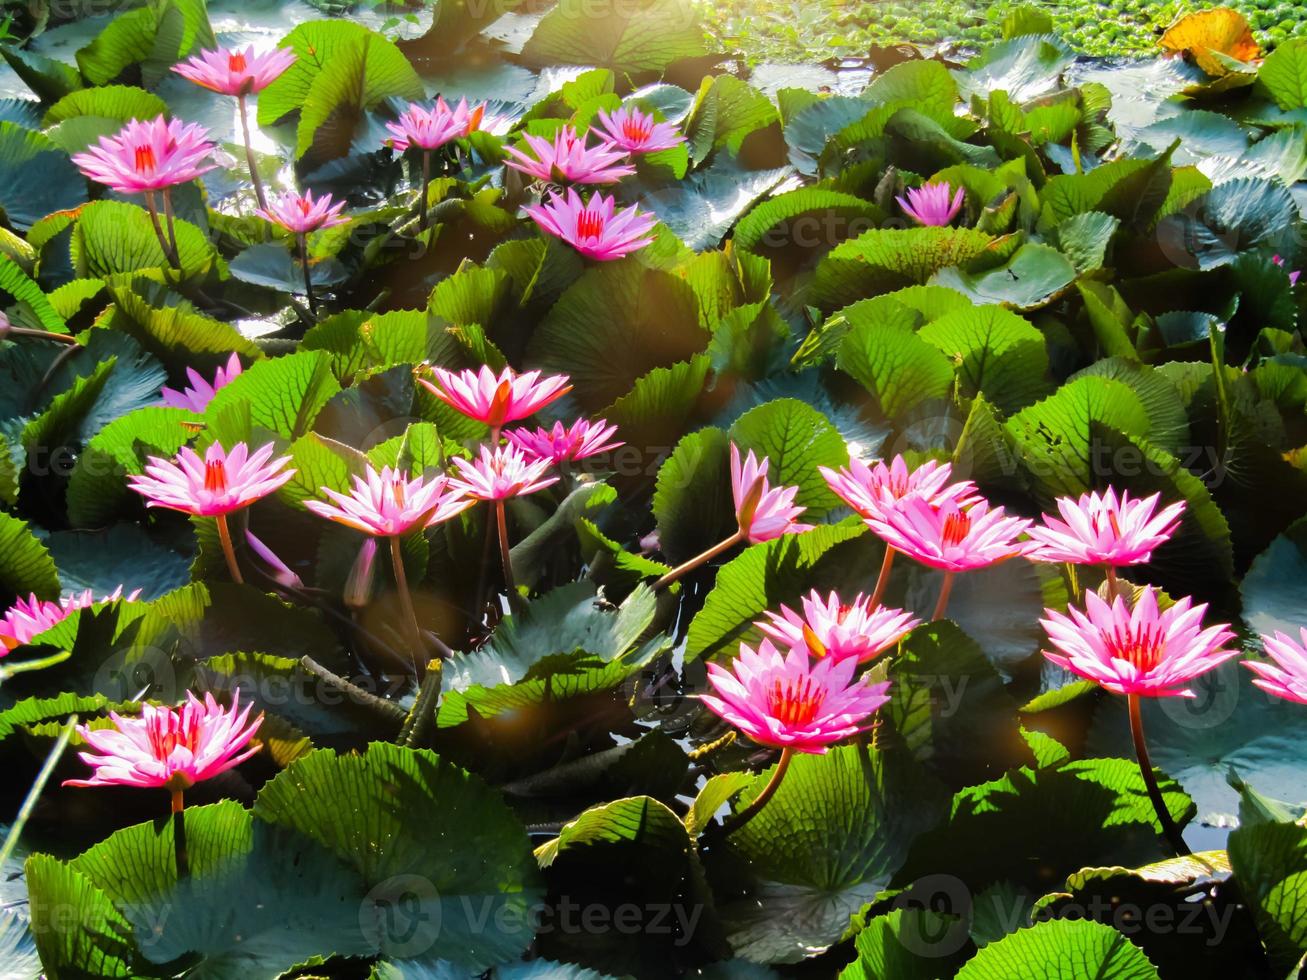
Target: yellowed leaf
point(1207, 33)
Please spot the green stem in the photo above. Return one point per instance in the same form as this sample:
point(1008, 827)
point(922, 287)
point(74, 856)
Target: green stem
point(501, 519)
point(945, 591)
point(180, 852)
point(426, 183)
point(386, 709)
point(152, 207)
point(249, 154)
point(172, 228)
point(1169, 829)
point(228, 551)
point(689, 566)
point(761, 800)
point(23, 666)
point(406, 602)
point(425, 706)
point(34, 794)
point(63, 338)
point(308, 278)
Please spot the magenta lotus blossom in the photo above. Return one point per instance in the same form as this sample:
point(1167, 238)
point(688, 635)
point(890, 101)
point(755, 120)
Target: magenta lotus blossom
point(870, 491)
point(637, 132)
point(950, 537)
point(197, 397)
point(1286, 677)
point(1100, 530)
point(301, 214)
point(430, 129)
point(30, 617)
point(148, 156)
point(1293, 276)
point(390, 503)
point(835, 628)
point(595, 228)
point(231, 72)
point(219, 483)
point(501, 474)
point(496, 399)
point(171, 748)
point(1137, 651)
point(564, 443)
point(763, 512)
point(791, 701)
point(568, 159)
point(931, 205)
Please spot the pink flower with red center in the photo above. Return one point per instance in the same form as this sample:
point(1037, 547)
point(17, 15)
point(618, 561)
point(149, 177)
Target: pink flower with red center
point(430, 129)
point(832, 627)
point(950, 537)
point(171, 748)
point(561, 444)
point(636, 131)
point(1140, 650)
point(594, 228)
point(197, 397)
point(301, 214)
point(1293, 276)
point(568, 159)
point(218, 484)
point(496, 399)
point(872, 490)
point(230, 72)
point(763, 512)
point(792, 701)
point(148, 156)
point(30, 617)
point(1286, 675)
point(1100, 530)
point(390, 503)
point(500, 474)
point(931, 205)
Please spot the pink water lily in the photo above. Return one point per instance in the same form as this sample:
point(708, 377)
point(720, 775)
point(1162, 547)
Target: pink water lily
point(169, 748)
point(835, 628)
point(1286, 675)
point(595, 228)
point(637, 132)
point(1137, 650)
point(950, 537)
point(30, 617)
point(764, 512)
point(197, 396)
point(496, 399)
point(870, 491)
point(430, 129)
point(569, 159)
point(277, 570)
point(562, 444)
point(232, 72)
point(391, 503)
point(931, 205)
point(790, 700)
point(1099, 529)
point(301, 214)
point(148, 156)
point(219, 483)
point(500, 474)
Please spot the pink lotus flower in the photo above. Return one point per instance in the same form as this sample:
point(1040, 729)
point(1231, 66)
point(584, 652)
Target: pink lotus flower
point(636, 131)
point(1099, 530)
point(148, 156)
point(506, 472)
point(430, 129)
point(870, 491)
point(561, 444)
point(763, 512)
point(277, 570)
point(218, 484)
point(930, 205)
point(791, 701)
point(229, 72)
point(496, 400)
point(1137, 651)
point(594, 228)
point(30, 617)
point(948, 536)
point(169, 748)
point(1287, 676)
point(832, 627)
point(197, 397)
point(1293, 276)
point(389, 503)
point(302, 214)
point(569, 160)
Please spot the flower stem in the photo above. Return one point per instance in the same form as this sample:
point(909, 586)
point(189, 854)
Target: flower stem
point(34, 794)
point(172, 228)
point(249, 154)
point(152, 206)
point(501, 519)
point(882, 580)
point(1113, 585)
point(380, 706)
point(406, 601)
point(63, 338)
point(308, 279)
point(224, 537)
point(425, 707)
point(179, 836)
point(761, 800)
point(1169, 828)
point(426, 182)
point(697, 560)
point(944, 591)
